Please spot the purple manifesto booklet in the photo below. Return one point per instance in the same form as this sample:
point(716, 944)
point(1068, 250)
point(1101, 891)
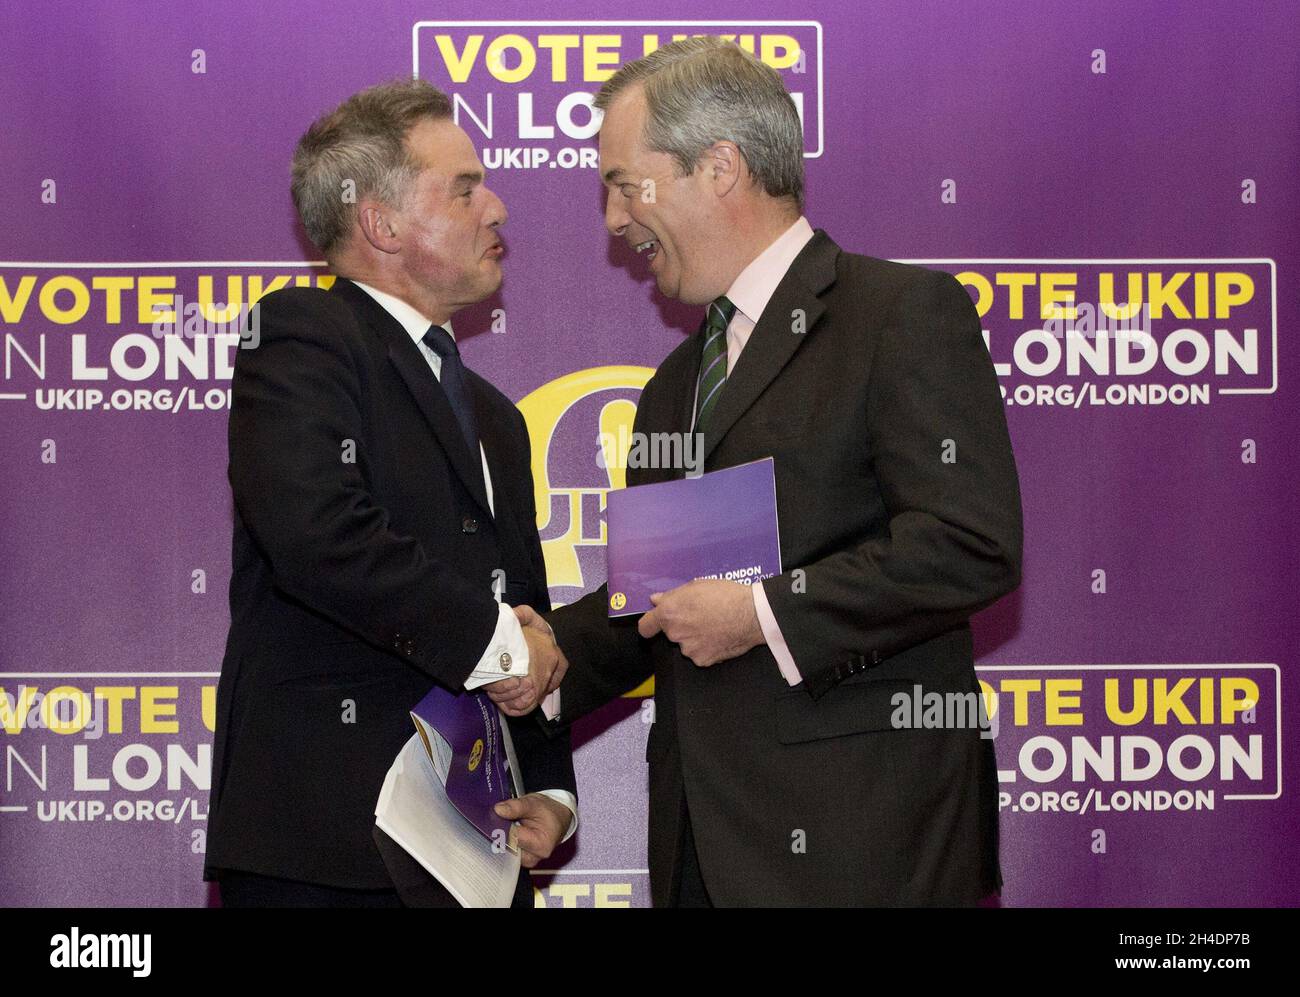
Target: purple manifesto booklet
point(718, 525)
point(469, 750)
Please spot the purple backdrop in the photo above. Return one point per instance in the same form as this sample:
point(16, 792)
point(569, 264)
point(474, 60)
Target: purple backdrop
point(145, 153)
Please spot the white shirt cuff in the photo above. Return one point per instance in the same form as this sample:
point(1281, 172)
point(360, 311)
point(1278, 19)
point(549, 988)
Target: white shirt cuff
point(506, 656)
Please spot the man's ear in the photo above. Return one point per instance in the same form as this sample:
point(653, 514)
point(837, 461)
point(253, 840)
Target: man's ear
point(379, 225)
point(724, 165)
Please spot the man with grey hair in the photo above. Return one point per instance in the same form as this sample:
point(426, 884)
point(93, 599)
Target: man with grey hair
point(781, 768)
point(384, 523)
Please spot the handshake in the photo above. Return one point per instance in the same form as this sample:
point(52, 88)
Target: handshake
point(546, 667)
point(710, 621)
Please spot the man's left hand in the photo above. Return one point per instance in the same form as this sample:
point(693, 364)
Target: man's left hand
point(709, 620)
point(542, 822)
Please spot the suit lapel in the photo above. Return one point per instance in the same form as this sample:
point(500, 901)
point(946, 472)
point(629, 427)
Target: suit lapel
point(423, 386)
point(794, 304)
point(686, 402)
point(496, 442)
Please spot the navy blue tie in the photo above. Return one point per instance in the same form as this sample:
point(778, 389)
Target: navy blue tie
point(455, 385)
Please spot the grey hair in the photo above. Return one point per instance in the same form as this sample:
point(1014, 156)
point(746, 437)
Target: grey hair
point(363, 140)
point(699, 91)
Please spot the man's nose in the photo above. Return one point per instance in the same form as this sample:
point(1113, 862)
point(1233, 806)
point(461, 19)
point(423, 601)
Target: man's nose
point(497, 215)
point(616, 217)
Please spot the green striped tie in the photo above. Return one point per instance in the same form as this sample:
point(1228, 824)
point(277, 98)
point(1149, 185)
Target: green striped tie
point(713, 364)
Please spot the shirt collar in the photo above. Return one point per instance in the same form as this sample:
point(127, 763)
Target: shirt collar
point(408, 317)
point(756, 284)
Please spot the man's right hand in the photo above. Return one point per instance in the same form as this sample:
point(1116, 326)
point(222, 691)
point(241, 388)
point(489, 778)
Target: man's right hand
point(546, 666)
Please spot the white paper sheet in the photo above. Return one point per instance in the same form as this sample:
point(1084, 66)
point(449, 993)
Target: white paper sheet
point(414, 811)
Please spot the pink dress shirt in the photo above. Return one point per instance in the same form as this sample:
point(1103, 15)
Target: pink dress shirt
point(750, 294)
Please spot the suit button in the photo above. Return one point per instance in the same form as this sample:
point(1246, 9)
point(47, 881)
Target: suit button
point(506, 661)
point(469, 525)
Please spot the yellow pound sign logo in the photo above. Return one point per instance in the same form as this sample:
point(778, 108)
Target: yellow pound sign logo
point(544, 409)
point(476, 754)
